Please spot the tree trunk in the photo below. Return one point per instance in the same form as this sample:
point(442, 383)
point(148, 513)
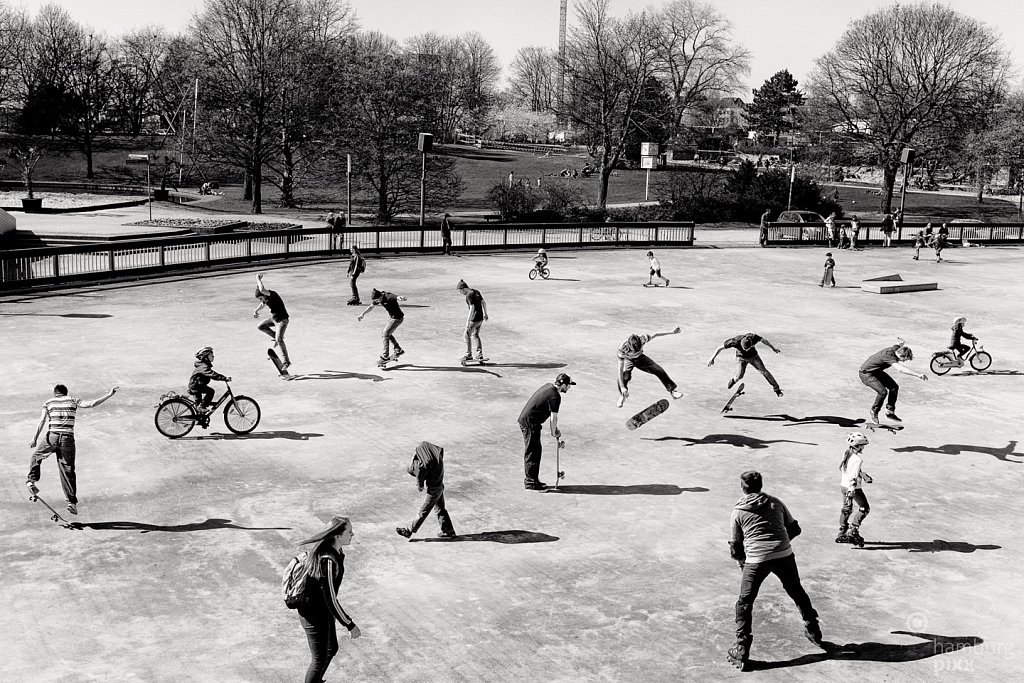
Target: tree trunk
point(257, 189)
point(246, 185)
point(382, 202)
point(979, 173)
point(287, 177)
point(87, 139)
point(888, 183)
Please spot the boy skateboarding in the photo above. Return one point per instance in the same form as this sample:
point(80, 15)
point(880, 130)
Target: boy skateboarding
point(274, 326)
point(873, 375)
point(631, 355)
point(746, 354)
point(390, 303)
point(655, 270)
point(477, 316)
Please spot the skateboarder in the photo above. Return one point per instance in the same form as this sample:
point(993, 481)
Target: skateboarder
point(202, 374)
point(390, 303)
point(274, 326)
point(58, 416)
point(428, 468)
point(827, 278)
point(631, 355)
point(762, 528)
point(959, 334)
point(746, 353)
point(477, 316)
point(356, 266)
point(851, 481)
point(543, 404)
point(873, 374)
point(655, 270)
point(324, 571)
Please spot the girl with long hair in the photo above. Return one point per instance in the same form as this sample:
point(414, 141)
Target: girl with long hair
point(851, 480)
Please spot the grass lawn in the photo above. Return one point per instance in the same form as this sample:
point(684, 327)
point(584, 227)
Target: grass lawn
point(927, 206)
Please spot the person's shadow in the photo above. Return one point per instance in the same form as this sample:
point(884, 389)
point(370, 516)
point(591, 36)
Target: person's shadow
point(337, 374)
point(477, 369)
point(253, 436)
point(877, 652)
point(144, 528)
point(844, 422)
point(633, 490)
point(936, 546)
point(957, 448)
point(510, 537)
point(737, 440)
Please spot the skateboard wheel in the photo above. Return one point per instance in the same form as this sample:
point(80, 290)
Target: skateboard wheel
point(54, 518)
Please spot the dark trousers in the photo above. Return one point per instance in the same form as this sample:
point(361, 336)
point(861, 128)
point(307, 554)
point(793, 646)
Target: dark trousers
point(355, 290)
point(434, 500)
point(754, 575)
point(762, 236)
point(532, 453)
point(322, 636)
point(755, 360)
point(851, 496)
point(64, 446)
point(645, 364)
point(884, 386)
point(204, 395)
point(446, 243)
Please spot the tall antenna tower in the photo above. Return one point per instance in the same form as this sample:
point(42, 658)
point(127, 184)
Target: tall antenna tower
point(561, 56)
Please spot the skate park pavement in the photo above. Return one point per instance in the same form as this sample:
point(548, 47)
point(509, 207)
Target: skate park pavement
point(623, 575)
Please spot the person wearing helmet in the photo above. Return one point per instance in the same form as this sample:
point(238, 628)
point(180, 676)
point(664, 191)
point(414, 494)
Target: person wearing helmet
point(655, 270)
point(873, 374)
point(202, 373)
point(852, 479)
point(955, 341)
point(746, 354)
point(631, 355)
point(541, 259)
point(274, 326)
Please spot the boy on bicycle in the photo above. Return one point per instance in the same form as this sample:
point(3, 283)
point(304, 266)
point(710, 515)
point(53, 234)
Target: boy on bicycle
point(540, 261)
point(959, 333)
point(199, 382)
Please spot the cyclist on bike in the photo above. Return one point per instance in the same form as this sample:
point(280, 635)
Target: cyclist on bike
point(955, 343)
point(199, 382)
point(540, 261)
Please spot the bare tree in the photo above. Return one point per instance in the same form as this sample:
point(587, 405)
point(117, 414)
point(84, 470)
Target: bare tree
point(137, 59)
point(89, 83)
point(904, 73)
point(533, 78)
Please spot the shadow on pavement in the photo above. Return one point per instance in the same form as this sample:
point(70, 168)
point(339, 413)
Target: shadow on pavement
point(878, 652)
point(294, 436)
point(511, 536)
point(64, 315)
point(442, 368)
point(144, 528)
point(845, 422)
point(634, 490)
point(737, 440)
point(539, 366)
point(337, 374)
point(405, 305)
point(959, 448)
point(969, 373)
point(564, 279)
point(936, 546)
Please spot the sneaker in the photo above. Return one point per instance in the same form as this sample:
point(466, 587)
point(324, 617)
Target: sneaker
point(537, 486)
point(73, 508)
point(892, 416)
point(874, 417)
point(465, 358)
point(621, 402)
point(446, 534)
point(676, 393)
point(778, 392)
point(32, 488)
point(285, 365)
point(398, 352)
point(731, 383)
point(813, 632)
point(666, 282)
point(402, 531)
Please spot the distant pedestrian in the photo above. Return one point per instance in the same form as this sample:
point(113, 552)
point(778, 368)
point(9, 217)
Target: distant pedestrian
point(929, 235)
point(544, 403)
point(831, 232)
point(477, 316)
point(428, 468)
point(395, 318)
point(631, 355)
point(336, 221)
point(888, 225)
point(446, 236)
point(897, 219)
point(746, 354)
point(844, 238)
point(940, 241)
point(762, 236)
point(854, 231)
point(356, 267)
point(827, 277)
point(324, 568)
point(655, 269)
point(918, 244)
point(274, 326)
point(58, 416)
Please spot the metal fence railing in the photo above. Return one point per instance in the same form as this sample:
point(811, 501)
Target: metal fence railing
point(871, 233)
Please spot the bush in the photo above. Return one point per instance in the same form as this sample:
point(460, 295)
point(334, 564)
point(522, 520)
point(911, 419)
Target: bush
point(514, 201)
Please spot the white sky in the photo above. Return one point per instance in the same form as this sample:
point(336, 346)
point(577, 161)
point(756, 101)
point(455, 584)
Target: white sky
point(781, 34)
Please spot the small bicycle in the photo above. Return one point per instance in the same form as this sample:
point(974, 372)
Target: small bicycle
point(177, 414)
point(540, 270)
point(944, 361)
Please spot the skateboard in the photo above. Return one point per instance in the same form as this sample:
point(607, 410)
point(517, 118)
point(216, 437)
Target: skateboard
point(382, 363)
point(891, 428)
point(272, 355)
point(474, 361)
point(55, 517)
point(647, 414)
point(559, 474)
point(739, 392)
point(652, 285)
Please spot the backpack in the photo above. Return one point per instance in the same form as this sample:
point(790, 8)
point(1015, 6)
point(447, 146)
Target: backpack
point(293, 582)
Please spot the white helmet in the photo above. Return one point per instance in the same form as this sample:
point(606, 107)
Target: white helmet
point(204, 352)
point(960, 321)
point(541, 251)
point(856, 439)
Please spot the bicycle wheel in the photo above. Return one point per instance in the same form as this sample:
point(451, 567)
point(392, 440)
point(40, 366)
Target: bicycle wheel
point(545, 273)
point(939, 366)
point(242, 415)
point(533, 274)
point(981, 361)
point(175, 418)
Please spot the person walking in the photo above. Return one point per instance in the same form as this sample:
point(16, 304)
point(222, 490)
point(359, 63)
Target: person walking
point(746, 354)
point(428, 468)
point(356, 267)
point(762, 235)
point(274, 326)
point(762, 531)
point(544, 403)
point(827, 277)
point(655, 270)
point(888, 225)
point(851, 481)
point(324, 567)
point(874, 376)
point(631, 355)
point(396, 317)
point(446, 236)
point(58, 416)
point(477, 316)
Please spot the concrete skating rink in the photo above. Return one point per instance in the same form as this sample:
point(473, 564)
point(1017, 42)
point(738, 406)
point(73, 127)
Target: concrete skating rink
point(623, 576)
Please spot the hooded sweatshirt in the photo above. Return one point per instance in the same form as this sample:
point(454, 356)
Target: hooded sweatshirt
point(202, 374)
point(428, 465)
point(762, 528)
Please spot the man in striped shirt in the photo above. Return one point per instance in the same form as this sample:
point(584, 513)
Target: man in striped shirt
point(58, 417)
point(631, 355)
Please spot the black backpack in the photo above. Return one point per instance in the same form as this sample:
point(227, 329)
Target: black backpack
point(294, 581)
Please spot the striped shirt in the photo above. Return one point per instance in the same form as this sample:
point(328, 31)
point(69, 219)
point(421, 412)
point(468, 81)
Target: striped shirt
point(60, 412)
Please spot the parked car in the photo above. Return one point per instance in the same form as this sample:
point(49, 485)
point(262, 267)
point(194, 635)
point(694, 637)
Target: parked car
point(812, 232)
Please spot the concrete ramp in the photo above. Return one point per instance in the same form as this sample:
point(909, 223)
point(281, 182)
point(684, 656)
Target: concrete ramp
point(7, 222)
point(893, 287)
point(894, 276)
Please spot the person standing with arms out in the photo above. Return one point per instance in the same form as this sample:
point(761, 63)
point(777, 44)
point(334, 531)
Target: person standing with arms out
point(428, 468)
point(324, 568)
point(655, 270)
point(873, 375)
point(446, 236)
point(544, 403)
point(631, 355)
point(762, 235)
point(356, 266)
point(852, 479)
point(477, 316)
point(58, 416)
point(274, 326)
point(762, 528)
point(827, 277)
point(746, 354)
point(390, 303)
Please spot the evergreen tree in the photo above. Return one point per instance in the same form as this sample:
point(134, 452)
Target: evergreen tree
point(771, 112)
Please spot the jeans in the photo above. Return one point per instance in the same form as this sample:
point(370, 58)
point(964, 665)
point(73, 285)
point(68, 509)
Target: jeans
point(446, 243)
point(849, 497)
point(352, 283)
point(473, 334)
point(64, 446)
point(275, 330)
point(204, 396)
point(754, 574)
point(322, 636)
point(884, 385)
point(532, 453)
point(389, 337)
point(755, 360)
point(642, 362)
point(434, 500)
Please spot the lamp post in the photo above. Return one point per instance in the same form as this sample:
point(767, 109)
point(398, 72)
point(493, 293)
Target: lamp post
point(424, 143)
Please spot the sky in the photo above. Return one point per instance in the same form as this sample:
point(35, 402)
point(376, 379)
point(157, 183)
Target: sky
point(780, 34)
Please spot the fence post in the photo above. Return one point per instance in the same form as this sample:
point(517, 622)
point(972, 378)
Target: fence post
point(110, 260)
point(206, 250)
point(248, 248)
point(56, 266)
point(160, 255)
point(504, 237)
point(581, 235)
point(543, 235)
point(423, 235)
point(656, 229)
point(377, 234)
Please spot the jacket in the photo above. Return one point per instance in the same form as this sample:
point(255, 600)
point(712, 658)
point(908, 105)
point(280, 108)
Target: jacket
point(761, 529)
point(202, 375)
point(428, 466)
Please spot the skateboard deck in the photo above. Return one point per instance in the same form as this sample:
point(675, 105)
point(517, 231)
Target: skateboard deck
point(739, 392)
point(559, 474)
point(647, 285)
point(55, 516)
point(891, 428)
point(473, 361)
point(272, 355)
point(647, 414)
